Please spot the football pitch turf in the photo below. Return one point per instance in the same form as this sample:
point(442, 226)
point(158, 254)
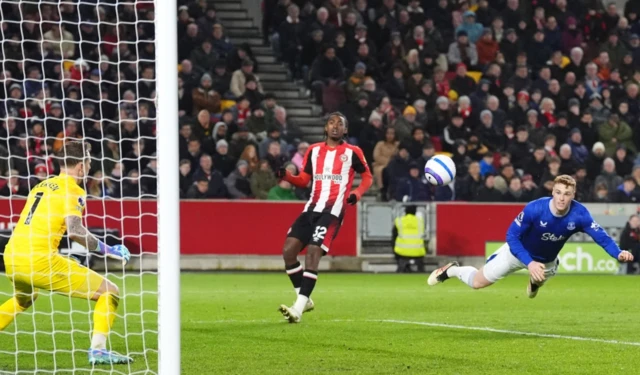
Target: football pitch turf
point(362, 324)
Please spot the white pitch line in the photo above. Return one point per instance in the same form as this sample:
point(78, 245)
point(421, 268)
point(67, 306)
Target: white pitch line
point(440, 325)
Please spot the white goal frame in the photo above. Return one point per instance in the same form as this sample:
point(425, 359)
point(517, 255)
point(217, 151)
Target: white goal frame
point(166, 40)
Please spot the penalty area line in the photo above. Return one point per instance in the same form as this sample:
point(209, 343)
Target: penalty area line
point(508, 332)
point(430, 324)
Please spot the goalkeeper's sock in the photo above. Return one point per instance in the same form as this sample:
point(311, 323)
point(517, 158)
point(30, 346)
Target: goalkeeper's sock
point(103, 317)
point(8, 312)
point(465, 274)
point(309, 280)
point(295, 275)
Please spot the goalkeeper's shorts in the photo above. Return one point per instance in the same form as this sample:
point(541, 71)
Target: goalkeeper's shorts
point(56, 274)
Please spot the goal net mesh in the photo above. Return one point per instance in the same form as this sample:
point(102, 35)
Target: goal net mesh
point(81, 70)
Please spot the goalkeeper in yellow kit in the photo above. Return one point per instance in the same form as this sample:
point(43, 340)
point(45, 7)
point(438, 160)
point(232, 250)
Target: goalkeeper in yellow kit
point(32, 261)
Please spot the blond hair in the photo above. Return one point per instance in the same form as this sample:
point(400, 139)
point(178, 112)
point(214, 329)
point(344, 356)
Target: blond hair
point(565, 180)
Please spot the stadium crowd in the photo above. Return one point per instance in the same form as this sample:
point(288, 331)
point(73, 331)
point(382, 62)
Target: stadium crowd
point(516, 91)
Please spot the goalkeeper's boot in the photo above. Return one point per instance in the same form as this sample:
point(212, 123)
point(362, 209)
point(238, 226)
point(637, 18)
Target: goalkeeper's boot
point(532, 288)
point(105, 357)
point(290, 314)
point(309, 306)
point(440, 275)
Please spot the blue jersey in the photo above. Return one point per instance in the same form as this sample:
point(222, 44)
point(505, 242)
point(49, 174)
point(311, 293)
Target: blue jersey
point(537, 234)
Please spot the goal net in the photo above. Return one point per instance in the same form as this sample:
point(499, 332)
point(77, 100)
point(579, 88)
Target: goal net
point(81, 70)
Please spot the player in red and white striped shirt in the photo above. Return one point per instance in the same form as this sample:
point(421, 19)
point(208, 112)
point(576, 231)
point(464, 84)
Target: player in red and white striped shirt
point(330, 167)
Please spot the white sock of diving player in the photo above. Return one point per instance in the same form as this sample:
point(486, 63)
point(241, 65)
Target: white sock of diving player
point(465, 274)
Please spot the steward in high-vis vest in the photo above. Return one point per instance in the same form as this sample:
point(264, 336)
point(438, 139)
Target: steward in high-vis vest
point(408, 241)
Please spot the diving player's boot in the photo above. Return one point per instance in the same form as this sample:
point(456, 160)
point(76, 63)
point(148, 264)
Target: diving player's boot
point(440, 275)
point(532, 289)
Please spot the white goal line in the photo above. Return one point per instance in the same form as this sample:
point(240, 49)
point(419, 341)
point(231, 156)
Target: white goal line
point(431, 324)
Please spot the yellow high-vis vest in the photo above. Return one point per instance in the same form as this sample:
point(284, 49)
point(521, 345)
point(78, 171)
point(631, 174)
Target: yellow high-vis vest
point(410, 241)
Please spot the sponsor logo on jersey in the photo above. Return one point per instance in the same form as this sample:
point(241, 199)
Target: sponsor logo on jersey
point(519, 218)
point(344, 158)
point(571, 225)
point(330, 177)
point(81, 201)
point(552, 237)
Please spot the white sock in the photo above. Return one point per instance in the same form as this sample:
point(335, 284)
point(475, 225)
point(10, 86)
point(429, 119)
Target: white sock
point(99, 341)
point(301, 302)
point(465, 274)
point(297, 291)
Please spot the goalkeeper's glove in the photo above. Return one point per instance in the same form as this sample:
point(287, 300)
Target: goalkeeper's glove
point(118, 252)
point(281, 173)
point(353, 199)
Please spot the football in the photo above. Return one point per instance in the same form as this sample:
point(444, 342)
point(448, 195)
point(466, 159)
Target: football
point(440, 170)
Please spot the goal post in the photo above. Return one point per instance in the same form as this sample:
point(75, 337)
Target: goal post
point(168, 188)
point(104, 72)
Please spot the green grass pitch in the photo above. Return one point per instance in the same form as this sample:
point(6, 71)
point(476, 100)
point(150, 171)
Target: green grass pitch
point(230, 326)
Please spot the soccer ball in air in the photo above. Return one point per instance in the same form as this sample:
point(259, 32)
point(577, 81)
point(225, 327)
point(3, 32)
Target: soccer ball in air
point(440, 170)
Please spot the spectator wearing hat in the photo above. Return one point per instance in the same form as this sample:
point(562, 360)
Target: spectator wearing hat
point(357, 113)
point(634, 46)
point(595, 160)
point(372, 133)
point(404, 126)
point(262, 180)
point(518, 114)
point(615, 132)
point(414, 187)
point(224, 162)
point(240, 140)
point(462, 51)
point(470, 26)
point(252, 92)
point(257, 124)
point(238, 55)
point(240, 77)
point(455, 131)
point(362, 37)
point(571, 36)
point(487, 48)
point(205, 97)
point(488, 133)
point(510, 46)
point(238, 184)
point(355, 83)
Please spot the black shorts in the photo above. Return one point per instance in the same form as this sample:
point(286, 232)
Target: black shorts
point(315, 228)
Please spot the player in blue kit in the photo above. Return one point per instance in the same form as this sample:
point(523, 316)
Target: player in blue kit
point(534, 240)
